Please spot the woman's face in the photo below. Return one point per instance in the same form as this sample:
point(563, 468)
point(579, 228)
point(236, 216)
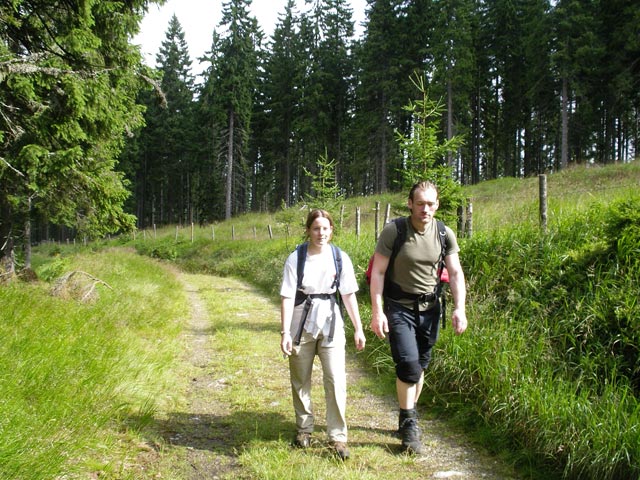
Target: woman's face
point(320, 232)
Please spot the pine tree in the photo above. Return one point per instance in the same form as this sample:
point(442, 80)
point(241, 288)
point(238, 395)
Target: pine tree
point(68, 83)
point(280, 109)
point(327, 89)
point(210, 125)
point(378, 59)
point(168, 135)
point(452, 73)
point(394, 48)
point(231, 84)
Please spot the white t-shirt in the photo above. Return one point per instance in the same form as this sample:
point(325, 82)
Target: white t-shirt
point(319, 274)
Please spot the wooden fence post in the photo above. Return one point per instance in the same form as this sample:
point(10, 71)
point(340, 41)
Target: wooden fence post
point(233, 232)
point(213, 233)
point(543, 201)
point(461, 221)
point(377, 221)
point(192, 232)
point(358, 222)
point(469, 220)
point(387, 214)
point(177, 232)
point(341, 215)
point(270, 232)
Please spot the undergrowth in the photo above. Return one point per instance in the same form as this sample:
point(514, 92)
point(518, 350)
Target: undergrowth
point(548, 369)
point(549, 365)
point(77, 375)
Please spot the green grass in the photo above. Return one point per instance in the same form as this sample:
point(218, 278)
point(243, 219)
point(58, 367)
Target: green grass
point(548, 369)
point(74, 373)
point(549, 366)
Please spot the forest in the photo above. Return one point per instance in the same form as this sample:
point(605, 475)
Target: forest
point(92, 141)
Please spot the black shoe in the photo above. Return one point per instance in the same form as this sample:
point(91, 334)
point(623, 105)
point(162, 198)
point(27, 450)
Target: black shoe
point(410, 434)
point(303, 440)
point(341, 450)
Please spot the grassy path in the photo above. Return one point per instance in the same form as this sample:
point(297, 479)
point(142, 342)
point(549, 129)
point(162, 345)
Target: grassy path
point(236, 421)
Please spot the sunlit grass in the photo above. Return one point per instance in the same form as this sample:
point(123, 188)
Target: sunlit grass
point(541, 372)
point(72, 371)
point(523, 368)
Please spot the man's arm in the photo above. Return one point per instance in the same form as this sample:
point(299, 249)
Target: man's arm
point(379, 323)
point(458, 291)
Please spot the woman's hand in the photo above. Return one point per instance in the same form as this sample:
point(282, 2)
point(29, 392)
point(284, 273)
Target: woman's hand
point(286, 343)
point(359, 339)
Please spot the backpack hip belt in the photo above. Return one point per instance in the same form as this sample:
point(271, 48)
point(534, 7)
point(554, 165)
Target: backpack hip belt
point(308, 302)
point(420, 298)
point(393, 291)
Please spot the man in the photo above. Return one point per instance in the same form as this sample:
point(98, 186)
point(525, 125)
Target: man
point(410, 313)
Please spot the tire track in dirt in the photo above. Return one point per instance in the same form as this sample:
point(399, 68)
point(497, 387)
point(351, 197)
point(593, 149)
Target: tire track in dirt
point(199, 440)
point(204, 432)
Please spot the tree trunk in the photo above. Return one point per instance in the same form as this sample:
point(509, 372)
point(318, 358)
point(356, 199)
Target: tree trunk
point(27, 238)
point(383, 159)
point(564, 148)
point(450, 123)
point(229, 186)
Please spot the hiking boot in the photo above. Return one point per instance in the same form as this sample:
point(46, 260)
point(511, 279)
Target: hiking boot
point(303, 440)
point(341, 450)
point(403, 415)
point(410, 434)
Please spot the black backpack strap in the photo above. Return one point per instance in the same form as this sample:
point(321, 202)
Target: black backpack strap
point(401, 237)
point(302, 258)
point(442, 235)
point(337, 261)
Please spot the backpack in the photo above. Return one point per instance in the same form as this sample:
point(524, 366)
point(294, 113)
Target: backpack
point(442, 273)
point(302, 297)
point(302, 258)
point(401, 226)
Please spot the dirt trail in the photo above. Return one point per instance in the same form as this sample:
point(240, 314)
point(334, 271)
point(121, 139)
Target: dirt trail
point(199, 441)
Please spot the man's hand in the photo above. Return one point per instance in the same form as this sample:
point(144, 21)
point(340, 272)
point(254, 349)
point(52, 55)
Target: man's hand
point(379, 324)
point(459, 321)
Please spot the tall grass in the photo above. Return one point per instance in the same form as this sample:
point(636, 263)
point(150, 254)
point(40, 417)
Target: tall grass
point(75, 376)
point(551, 360)
point(549, 366)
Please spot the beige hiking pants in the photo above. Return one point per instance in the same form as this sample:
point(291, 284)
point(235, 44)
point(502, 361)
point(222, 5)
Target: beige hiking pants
point(332, 359)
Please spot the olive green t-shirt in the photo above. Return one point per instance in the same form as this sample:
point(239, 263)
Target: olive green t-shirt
point(415, 268)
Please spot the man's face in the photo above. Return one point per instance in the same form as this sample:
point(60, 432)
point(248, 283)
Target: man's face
point(423, 206)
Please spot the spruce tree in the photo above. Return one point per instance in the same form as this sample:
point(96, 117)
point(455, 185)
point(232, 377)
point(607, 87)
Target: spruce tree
point(168, 135)
point(231, 82)
point(279, 110)
point(378, 65)
point(68, 84)
point(327, 87)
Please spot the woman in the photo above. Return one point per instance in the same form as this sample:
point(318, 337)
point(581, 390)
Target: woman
point(313, 325)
